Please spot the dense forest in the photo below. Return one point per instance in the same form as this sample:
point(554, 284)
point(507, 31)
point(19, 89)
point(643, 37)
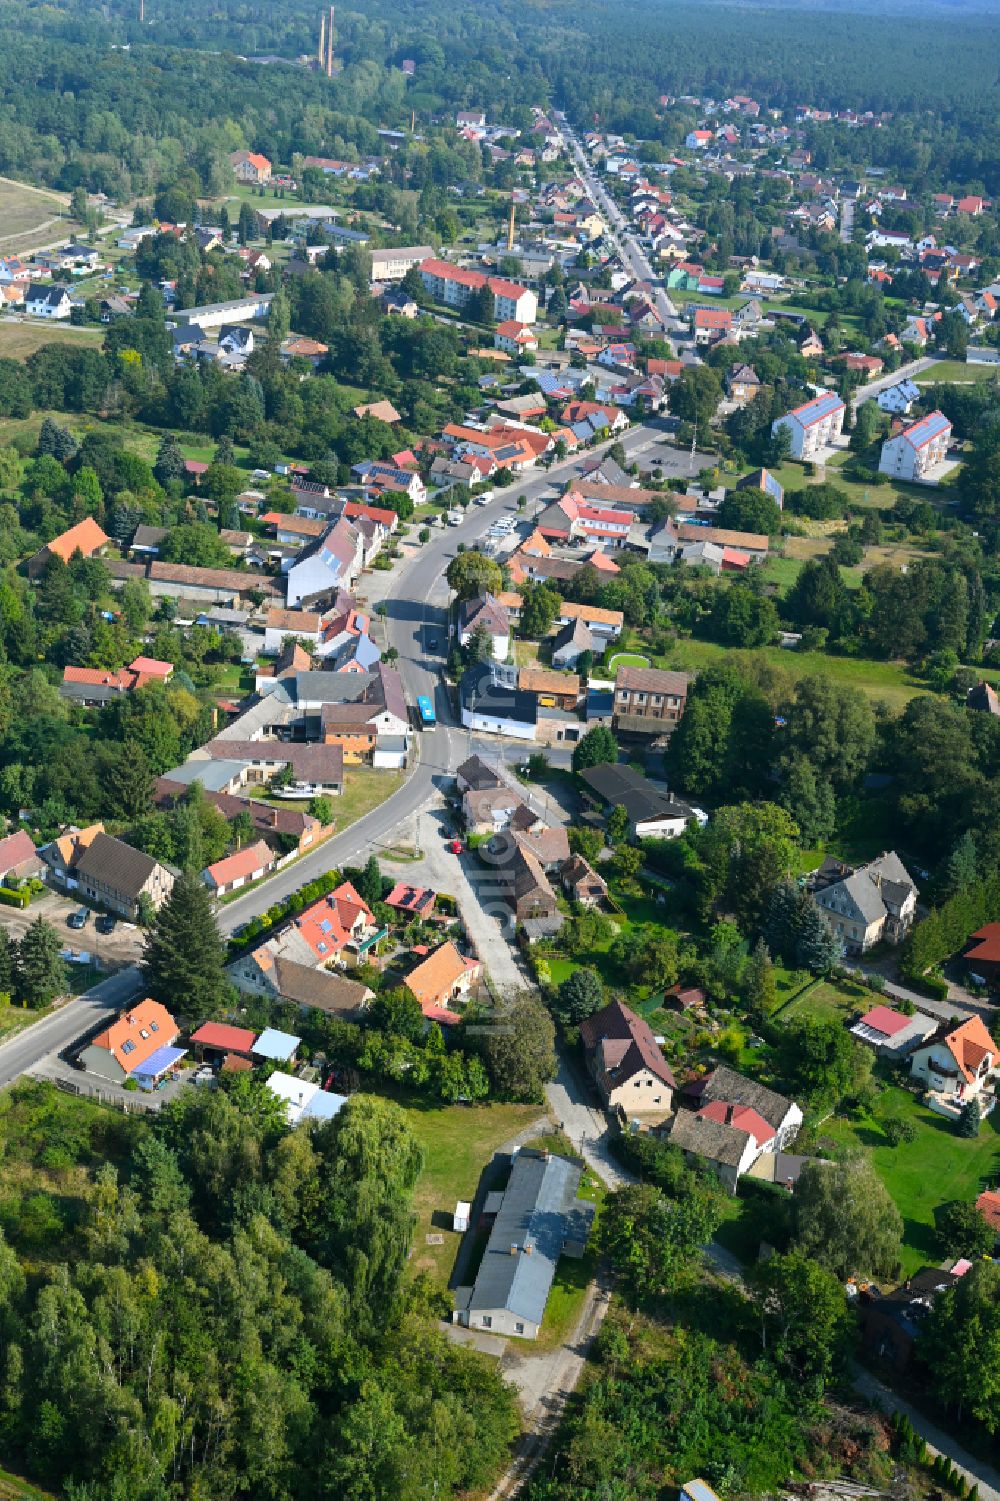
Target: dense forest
point(223, 1311)
point(77, 107)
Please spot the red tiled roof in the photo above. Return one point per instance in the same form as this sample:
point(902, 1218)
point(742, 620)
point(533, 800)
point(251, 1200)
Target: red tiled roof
point(883, 1019)
point(741, 1117)
point(221, 1035)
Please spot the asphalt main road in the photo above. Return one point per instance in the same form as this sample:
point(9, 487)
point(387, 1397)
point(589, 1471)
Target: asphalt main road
point(632, 256)
point(417, 610)
point(67, 1025)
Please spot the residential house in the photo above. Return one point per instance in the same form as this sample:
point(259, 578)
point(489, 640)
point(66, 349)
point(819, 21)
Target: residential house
point(443, 978)
point(485, 613)
point(635, 1081)
point(250, 166)
point(86, 538)
point(47, 300)
point(652, 812)
point(648, 700)
point(571, 642)
point(18, 857)
point(814, 426)
point(581, 883)
point(514, 337)
point(112, 874)
point(605, 624)
point(872, 904)
point(711, 324)
point(332, 562)
point(250, 864)
point(763, 479)
point(891, 1322)
point(290, 625)
point(137, 1045)
point(735, 1121)
point(957, 1064)
point(898, 399)
point(538, 1218)
point(95, 685)
point(742, 383)
point(918, 452)
point(492, 703)
point(393, 264)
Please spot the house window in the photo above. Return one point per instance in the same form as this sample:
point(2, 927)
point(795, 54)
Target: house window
point(487, 1321)
point(518, 1327)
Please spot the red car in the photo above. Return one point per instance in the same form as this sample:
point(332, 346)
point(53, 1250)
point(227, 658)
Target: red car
point(455, 846)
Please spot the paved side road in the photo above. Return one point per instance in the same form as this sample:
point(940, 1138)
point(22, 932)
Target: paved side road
point(975, 1471)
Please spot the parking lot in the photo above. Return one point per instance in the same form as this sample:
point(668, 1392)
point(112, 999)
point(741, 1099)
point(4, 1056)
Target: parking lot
point(123, 946)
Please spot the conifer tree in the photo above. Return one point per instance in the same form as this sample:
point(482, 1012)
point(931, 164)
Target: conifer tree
point(184, 954)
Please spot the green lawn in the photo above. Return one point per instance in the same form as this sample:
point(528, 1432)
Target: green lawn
point(956, 371)
point(458, 1142)
point(935, 1168)
point(881, 680)
point(827, 1000)
point(627, 659)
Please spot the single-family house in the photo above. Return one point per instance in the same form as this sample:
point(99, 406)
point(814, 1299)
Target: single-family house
point(19, 857)
point(581, 882)
point(634, 1079)
point(138, 1045)
point(956, 1063)
point(485, 613)
point(47, 300)
point(250, 166)
point(445, 977)
point(652, 812)
point(112, 874)
point(898, 399)
point(742, 383)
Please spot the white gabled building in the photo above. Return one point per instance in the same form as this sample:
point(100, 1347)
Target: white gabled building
point(918, 451)
point(898, 399)
point(43, 301)
point(813, 426)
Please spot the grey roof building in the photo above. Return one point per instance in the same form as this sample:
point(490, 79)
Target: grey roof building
point(539, 1218)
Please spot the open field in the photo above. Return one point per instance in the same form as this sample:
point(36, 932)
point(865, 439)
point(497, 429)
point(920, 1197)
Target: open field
point(880, 680)
point(18, 340)
point(956, 371)
point(933, 1169)
point(827, 1000)
point(29, 216)
point(458, 1142)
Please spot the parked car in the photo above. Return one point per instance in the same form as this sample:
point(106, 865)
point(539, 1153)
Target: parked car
point(78, 919)
point(106, 923)
point(455, 846)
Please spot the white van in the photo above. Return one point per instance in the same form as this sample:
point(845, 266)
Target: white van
point(455, 518)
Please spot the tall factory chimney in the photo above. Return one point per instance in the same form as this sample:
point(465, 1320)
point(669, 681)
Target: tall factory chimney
point(321, 54)
point(142, 11)
point(510, 227)
point(329, 45)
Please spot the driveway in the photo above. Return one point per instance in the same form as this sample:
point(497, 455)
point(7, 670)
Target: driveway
point(975, 1471)
point(483, 909)
point(112, 950)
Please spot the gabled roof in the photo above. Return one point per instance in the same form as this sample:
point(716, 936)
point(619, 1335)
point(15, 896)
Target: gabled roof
point(735, 1089)
point(137, 1034)
point(818, 409)
point(885, 1020)
point(113, 863)
point(625, 1043)
point(433, 980)
point(221, 1035)
point(919, 434)
point(244, 863)
point(86, 536)
point(968, 1044)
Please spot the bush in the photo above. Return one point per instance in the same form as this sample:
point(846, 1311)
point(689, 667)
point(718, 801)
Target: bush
point(897, 1131)
point(14, 898)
